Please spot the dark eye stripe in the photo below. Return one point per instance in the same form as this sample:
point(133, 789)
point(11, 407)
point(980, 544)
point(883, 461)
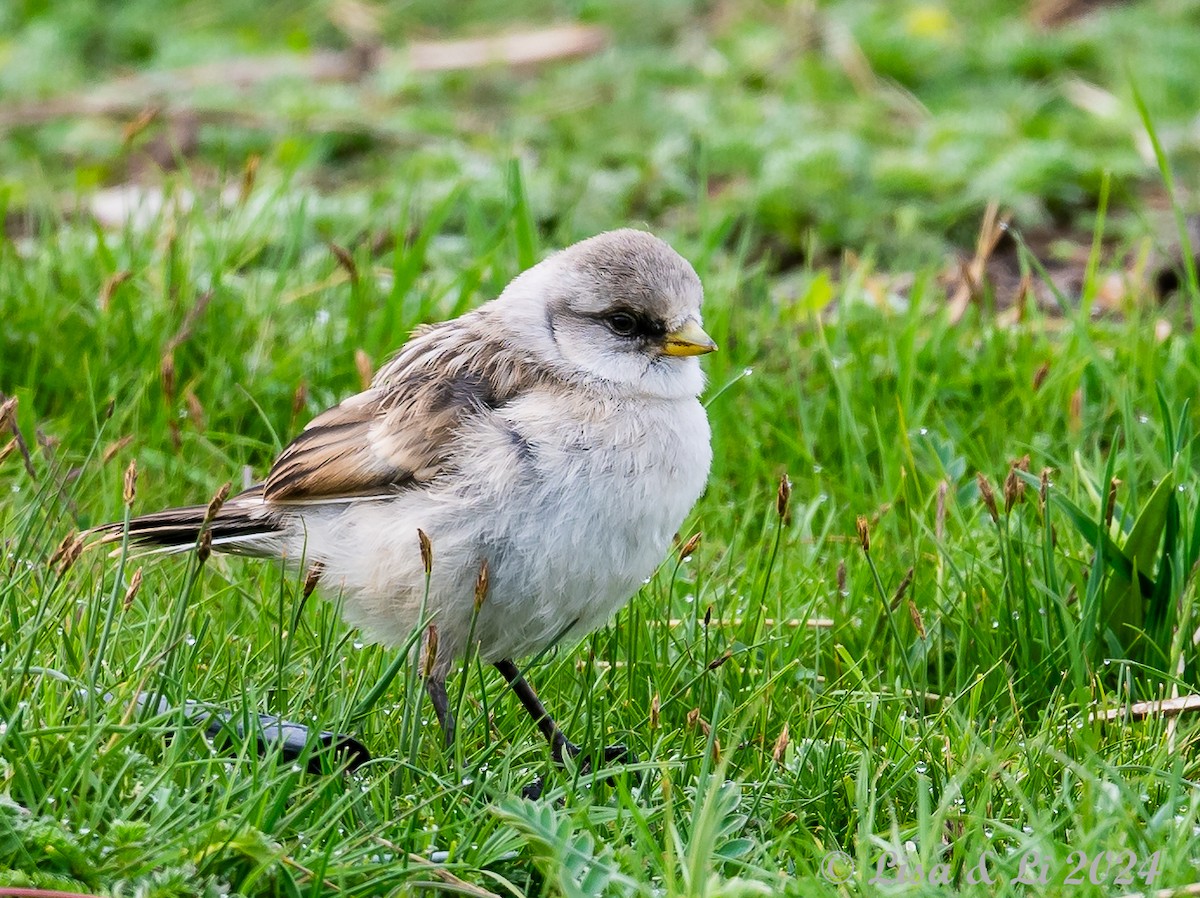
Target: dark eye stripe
point(643, 326)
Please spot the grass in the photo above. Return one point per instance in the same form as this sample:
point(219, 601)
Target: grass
point(943, 713)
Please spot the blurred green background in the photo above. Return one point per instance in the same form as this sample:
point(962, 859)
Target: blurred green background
point(884, 128)
point(218, 216)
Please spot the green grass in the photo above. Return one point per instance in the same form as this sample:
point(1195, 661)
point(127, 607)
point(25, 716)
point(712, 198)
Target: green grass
point(941, 719)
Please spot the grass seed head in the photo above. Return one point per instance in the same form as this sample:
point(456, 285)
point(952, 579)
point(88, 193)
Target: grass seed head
point(1111, 506)
point(1044, 490)
point(1039, 376)
point(779, 752)
point(135, 583)
point(917, 620)
point(689, 548)
point(204, 549)
point(988, 496)
point(313, 578)
point(720, 659)
point(783, 497)
point(426, 551)
point(63, 547)
point(215, 504)
point(1013, 488)
point(655, 719)
point(431, 647)
point(482, 581)
point(130, 491)
point(70, 553)
point(864, 533)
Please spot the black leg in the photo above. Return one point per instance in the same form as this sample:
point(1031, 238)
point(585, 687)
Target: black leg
point(436, 687)
point(560, 745)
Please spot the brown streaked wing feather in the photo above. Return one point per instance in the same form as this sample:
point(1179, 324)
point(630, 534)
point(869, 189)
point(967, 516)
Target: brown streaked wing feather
point(335, 456)
point(401, 430)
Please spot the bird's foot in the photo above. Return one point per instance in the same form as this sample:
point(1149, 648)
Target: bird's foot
point(610, 754)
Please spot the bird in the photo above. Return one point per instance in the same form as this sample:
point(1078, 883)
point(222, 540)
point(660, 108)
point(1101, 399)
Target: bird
point(541, 449)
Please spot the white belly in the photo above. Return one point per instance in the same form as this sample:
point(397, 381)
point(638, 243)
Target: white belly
point(570, 524)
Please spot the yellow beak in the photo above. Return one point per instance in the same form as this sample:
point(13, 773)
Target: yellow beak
point(688, 340)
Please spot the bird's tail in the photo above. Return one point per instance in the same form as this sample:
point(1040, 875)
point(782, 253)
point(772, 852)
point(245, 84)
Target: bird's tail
point(243, 525)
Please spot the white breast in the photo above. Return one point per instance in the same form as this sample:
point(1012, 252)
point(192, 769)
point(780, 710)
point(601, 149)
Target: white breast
point(598, 500)
point(571, 504)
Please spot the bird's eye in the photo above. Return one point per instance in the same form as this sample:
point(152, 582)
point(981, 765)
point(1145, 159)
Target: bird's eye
point(622, 324)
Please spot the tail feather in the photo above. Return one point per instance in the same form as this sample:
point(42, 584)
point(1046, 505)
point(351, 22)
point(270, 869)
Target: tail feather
point(243, 525)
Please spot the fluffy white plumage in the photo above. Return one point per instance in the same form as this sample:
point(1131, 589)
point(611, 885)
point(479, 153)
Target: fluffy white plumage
point(554, 433)
point(569, 527)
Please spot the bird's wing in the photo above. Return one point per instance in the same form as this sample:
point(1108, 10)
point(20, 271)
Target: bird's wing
point(402, 430)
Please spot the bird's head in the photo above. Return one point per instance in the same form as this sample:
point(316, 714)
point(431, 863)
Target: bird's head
point(621, 307)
